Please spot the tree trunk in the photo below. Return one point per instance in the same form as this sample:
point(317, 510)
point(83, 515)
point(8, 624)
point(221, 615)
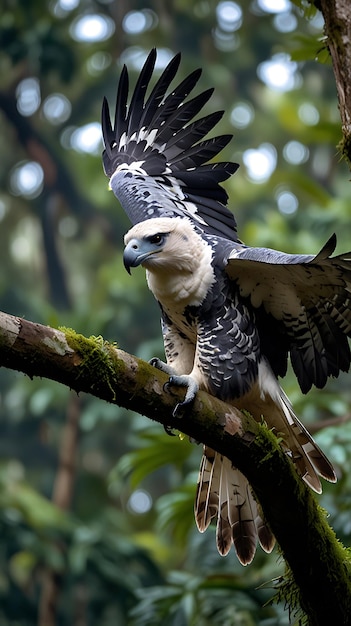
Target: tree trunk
point(337, 20)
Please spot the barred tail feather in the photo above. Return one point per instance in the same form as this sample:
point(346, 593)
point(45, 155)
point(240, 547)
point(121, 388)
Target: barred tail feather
point(309, 460)
point(243, 512)
point(306, 455)
point(265, 535)
point(207, 496)
point(224, 493)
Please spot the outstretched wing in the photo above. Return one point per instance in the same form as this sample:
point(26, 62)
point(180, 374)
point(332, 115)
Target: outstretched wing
point(157, 159)
point(303, 307)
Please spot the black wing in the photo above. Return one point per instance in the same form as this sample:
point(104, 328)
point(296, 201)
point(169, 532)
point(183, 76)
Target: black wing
point(303, 307)
point(157, 159)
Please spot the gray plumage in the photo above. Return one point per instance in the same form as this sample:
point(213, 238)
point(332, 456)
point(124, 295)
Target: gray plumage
point(231, 315)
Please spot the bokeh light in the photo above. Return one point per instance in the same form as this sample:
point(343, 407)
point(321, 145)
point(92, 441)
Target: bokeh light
point(26, 179)
point(287, 201)
point(94, 27)
point(242, 115)
point(137, 22)
point(28, 96)
point(308, 114)
point(285, 22)
point(135, 57)
point(229, 16)
point(98, 62)
point(87, 138)
point(274, 6)
point(260, 163)
point(279, 73)
point(57, 108)
point(140, 501)
point(295, 152)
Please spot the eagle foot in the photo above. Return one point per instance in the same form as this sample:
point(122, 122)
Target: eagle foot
point(191, 390)
point(177, 381)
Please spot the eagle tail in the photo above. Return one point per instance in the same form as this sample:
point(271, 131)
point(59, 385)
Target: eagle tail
point(224, 493)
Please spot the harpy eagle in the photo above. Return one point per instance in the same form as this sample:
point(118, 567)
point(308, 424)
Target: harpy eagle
point(231, 314)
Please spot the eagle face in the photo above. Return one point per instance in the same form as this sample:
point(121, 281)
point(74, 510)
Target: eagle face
point(161, 244)
point(177, 259)
point(140, 251)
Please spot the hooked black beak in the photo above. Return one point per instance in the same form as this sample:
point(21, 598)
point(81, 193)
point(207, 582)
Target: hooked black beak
point(136, 251)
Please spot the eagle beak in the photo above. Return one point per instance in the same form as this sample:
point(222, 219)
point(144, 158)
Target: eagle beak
point(137, 251)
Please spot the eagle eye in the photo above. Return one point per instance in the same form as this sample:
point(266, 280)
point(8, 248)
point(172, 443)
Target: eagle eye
point(156, 239)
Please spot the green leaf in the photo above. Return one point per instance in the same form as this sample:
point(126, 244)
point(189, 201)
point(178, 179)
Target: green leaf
point(158, 450)
point(176, 509)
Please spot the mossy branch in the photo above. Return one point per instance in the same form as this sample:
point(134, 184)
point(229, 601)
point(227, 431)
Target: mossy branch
point(319, 564)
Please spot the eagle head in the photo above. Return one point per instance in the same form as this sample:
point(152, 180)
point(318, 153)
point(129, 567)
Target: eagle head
point(160, 244)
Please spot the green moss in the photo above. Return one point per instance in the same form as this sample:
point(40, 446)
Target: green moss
point(288, 595)
point(96, 355)
point(288, 592)
point(142, 374)
point(266, 436)
point(265, 439)
point(344, 148)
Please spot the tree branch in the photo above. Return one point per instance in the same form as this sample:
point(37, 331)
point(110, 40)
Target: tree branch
point(319, 563)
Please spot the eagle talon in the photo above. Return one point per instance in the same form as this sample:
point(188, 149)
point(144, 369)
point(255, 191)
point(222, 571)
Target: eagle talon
point(161, 365)
point(178, 408)
point(166, 387)
point(154, 362)
point(191, 390)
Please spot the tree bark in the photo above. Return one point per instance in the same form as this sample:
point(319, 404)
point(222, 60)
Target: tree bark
point(337, 20)
point(319, 564)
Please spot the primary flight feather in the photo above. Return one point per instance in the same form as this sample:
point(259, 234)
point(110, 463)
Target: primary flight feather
point(231, 315)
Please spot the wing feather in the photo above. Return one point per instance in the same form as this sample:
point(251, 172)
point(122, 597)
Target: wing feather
point(156, 156)
point(136, 107)
point(309, 299)
point(188, 136)
point(200, 153)
point(158, 93)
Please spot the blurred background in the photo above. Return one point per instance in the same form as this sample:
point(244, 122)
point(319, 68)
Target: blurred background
point(96, 503)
